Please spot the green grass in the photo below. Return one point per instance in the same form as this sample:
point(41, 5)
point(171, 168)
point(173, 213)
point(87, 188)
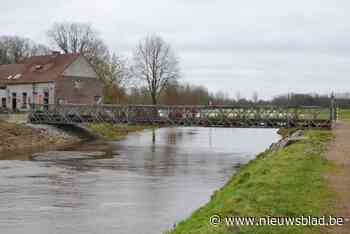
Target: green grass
point(116, 131)
point(284, 132)
point(344, 114)
point(289, 183)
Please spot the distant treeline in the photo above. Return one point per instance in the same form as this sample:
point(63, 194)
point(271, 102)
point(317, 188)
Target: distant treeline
point(186, 94)
point(311, 100)
point(175, 93)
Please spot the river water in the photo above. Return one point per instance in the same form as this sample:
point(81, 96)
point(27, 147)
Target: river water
point(143, 184)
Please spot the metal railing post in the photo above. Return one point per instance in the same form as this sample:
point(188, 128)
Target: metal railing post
point(127, 114)
point(333, 109)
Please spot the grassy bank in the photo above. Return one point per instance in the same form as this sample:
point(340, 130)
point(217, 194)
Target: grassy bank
point(288, 183)
point(116, 131)
point(344, 114)
point(284, 132)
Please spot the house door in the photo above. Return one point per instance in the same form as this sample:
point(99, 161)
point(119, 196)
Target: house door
point(14, 101)
point(3, 102)
point(46, 100)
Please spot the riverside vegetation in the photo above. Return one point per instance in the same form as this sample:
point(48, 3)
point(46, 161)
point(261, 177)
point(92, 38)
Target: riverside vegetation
point(287, 183)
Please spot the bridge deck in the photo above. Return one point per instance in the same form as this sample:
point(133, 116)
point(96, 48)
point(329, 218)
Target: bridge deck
point(207, 116)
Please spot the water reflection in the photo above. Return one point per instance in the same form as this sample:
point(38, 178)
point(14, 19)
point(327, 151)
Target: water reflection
point(144, 184)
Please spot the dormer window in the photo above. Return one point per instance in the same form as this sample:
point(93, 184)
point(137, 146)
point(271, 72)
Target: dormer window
point(14, 77)
point(17, 76)
point(38, 67)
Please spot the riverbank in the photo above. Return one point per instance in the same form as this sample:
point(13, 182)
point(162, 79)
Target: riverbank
point(20, 137)
point(286, 183)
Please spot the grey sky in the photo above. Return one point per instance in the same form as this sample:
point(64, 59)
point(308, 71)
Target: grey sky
point(269, 46)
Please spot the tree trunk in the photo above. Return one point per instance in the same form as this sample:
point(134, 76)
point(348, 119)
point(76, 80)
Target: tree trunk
point(154, 99)
point(155, 109)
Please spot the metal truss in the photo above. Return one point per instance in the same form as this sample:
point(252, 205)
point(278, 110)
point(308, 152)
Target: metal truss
point(206, 116)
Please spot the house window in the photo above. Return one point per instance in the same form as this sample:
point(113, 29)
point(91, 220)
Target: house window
point(14, 101)
point(38, 67)
point(3, 103)
point(46, 98)
point(78, 84)
point(24, 100)
point(97, 99)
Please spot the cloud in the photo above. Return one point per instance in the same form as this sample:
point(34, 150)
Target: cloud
point(271, 46)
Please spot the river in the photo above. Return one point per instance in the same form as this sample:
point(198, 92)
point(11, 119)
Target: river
point(143, 184)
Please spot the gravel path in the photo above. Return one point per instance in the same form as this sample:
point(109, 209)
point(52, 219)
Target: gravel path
point(339, 152)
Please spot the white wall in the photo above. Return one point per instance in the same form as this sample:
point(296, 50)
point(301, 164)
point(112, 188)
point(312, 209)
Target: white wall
point(2, 95)
point(80, 68)
point(19, 89)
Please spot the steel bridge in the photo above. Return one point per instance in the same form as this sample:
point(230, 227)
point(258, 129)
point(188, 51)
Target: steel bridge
point(205, 116)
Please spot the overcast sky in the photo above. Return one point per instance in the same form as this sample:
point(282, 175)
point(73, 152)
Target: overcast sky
point(270, 46)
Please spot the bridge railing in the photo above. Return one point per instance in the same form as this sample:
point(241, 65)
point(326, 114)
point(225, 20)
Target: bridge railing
point(234, 116)
point(333, 110)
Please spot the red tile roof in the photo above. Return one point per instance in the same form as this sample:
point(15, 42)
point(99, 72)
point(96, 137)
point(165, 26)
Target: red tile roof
point(37, 69)
point(9, 70)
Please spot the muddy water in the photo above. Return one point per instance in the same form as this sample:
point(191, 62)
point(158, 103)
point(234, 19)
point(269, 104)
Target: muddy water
point(141, 185)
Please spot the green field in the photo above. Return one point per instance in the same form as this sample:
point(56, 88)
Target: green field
point(289, 183)
point(344, 114)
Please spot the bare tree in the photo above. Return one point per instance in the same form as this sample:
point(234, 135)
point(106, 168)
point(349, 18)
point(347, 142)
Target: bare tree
point(155, 64)
point(116, 75)
point(72, 37)
point(115, 70)
point(4, 58)
point(13, 49)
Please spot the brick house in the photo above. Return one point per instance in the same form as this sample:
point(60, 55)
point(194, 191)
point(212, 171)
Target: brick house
point(50, 79)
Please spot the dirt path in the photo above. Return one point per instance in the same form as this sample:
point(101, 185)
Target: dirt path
point(339, 152)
